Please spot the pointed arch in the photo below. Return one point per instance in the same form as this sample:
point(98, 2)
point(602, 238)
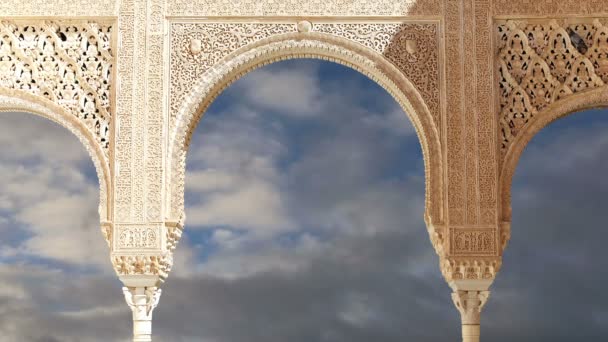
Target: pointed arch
point(309, 45)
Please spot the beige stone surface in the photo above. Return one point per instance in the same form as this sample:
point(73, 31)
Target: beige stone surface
point(132, 78)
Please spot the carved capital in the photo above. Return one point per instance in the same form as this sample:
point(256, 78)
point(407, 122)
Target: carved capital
point(469, 304)
point(470, 268)
point(142, 301)
point(142, 269)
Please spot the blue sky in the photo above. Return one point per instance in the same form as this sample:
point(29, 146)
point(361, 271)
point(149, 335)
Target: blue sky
point(305, 195)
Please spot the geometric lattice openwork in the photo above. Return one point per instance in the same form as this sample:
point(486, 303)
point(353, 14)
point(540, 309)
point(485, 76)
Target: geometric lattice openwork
point(67, 62)
point(540, 63)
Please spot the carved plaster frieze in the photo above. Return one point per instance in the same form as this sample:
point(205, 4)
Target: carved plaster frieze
point(470, 268)
point(540, 62)
point(59, 8)
point(412, 47)
point(549, 7)
point(144, 249)
point(67, 62)
point(473, 241)
point(205, 8)
point(138, 264)
point(137, 237)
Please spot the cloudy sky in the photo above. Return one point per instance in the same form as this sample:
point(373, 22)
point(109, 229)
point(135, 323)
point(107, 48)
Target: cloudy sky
point(305, 191)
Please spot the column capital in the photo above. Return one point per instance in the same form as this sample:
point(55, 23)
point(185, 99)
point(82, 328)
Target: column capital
point(470, 304)
point(142, 301)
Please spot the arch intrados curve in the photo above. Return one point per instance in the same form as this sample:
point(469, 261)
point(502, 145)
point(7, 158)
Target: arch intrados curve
point(585, 100)
point(316, 46)
point(21, 101)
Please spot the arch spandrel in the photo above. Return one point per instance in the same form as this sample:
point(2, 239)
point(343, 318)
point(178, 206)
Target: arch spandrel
point(305, 43)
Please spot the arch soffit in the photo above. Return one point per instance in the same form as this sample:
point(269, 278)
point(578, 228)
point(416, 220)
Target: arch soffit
point(309, 45)
point(21, 101)
point(581, 101)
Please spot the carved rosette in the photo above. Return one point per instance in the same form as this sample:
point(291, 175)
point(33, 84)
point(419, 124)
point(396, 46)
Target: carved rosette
point(544, 61)
point(67, 62)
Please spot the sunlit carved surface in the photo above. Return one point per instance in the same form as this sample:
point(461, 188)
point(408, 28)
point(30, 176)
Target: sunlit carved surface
point(132, 78)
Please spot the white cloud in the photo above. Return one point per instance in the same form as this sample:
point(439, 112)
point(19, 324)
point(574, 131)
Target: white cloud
point(255, 205)
point(292, 92)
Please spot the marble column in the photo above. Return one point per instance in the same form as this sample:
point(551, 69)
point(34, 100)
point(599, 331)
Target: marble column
point(142, 301)
point(469, 304)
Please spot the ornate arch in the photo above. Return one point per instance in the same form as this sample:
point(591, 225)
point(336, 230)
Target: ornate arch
point(585, 100)
point(21, 101)
point(547, 69)
point(305, 45)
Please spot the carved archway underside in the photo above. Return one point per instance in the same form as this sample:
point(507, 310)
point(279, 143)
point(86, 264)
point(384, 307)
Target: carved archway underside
point(312, 45)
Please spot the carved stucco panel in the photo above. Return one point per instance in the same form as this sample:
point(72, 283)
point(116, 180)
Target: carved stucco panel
point(455, 97)
point(531, 8)
point(67, 62)
point(473, 241)
point(204, 8)
point(543, 61)
point(59, 8)
point(137, 237)
point(412, 47)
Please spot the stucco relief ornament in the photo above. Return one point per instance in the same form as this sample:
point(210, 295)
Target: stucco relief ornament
point(541, 63)
point(68, 63)
point(304, 26)
point(470, 304)
point(195, 46)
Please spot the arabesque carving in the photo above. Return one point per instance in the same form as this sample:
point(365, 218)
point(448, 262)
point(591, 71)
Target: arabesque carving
point(67, 62)
point(412, 47)
point(131, 79)
point(252, 8)
point(542, 62)
point(475, 241)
